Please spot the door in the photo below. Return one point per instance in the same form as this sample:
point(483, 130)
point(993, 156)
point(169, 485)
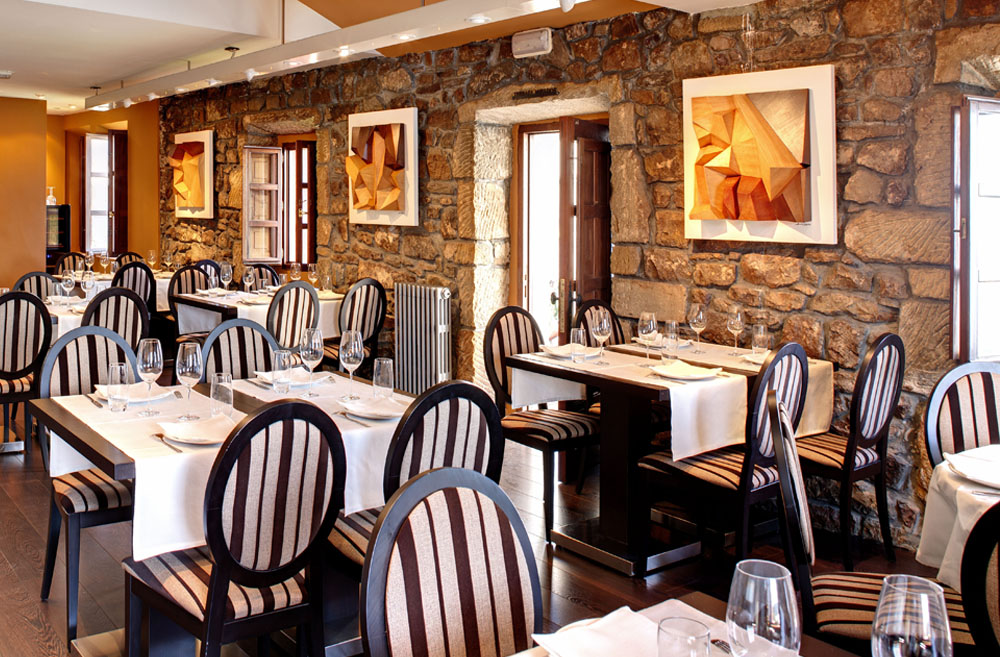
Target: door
point(118, 191)
point(593, 212)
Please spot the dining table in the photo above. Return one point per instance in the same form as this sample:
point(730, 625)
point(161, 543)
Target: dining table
point(206, 309)
point(67, 314)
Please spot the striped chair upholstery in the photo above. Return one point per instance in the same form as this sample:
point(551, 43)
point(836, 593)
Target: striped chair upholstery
point(25, 331)
point(68, 262)
point(331, 350)
point(721, 467)
point(127, 258)
point(90, 490)
point(186, 280)
point(212, 269)
point(586, 316)
point(138, 277)
point(964, 410)
point(79, 360)
point(120, 310)
point(363, 309)
point(294, 308)
point(39, 284)
point(264, 275)
point(239, 347)
point(451, 425)
point(830, 449)
point(486, 602)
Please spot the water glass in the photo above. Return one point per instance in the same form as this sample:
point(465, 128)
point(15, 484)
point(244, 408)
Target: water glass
point(762, 617)
point(188, 367)
point(734, 323)
point(295, 271)
point(313, 274)
point(911, 619)
point(248, 277)
point(670, 340)
point(87, 283)
point(682, 637)
point(221, 394)
point(760, 340)
point(600, 329)
point(383, 380)
point(327, 282)
point(577, 344)
point(226, 273)
point(151, 258)
point(311, 353)
point(118, 381)
point(647, 330)
point(352, 354)
point(150, 366)
point(282, 280)
point(281, 377)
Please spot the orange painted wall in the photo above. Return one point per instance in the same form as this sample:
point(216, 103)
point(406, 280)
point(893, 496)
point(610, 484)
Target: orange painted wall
point(55, 157)
point(22, 170)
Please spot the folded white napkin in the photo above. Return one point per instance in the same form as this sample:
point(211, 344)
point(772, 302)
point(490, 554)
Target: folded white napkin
point(678, 369)
point(757, 359)
point(622, 632)
point(137, 392)
point(661, 340)
point(981, 465)
point(297, 376)
point(213, 292)
point(61, 299)
point(206, 431)
point(566, 351)
point(382, 408)
point(255, 300)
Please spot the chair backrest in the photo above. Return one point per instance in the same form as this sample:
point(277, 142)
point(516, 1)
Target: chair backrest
point(264, 275)
point(120, 310)
point(963, 410)
point(25, 334)
point(273, 494)
point(876, 393)
point(451, 425)
point(186, 280)
point(239, 347)
point(79, 360)
point(363, 309)
point(69, 261)
point(138, 277)
point(511, 330)
point(486, 602)
point(294, 308)
point(786, 371)
point(587, 314)
point(38, 283)
point(212, 268)
point(129, 257)
point(981, 582)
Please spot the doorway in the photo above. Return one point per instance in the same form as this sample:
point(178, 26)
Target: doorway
point(563, 219)
point(105, 192)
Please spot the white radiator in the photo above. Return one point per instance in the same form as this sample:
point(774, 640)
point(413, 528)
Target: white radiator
point(423, 336)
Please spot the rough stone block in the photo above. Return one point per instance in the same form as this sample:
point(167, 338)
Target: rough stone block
point(490, 202)
point(872, 17)
point(843, 277)
point(625, 259)
point(670, 228)
point(715, 273)
point(956, 45)
point(493, 152)
point(807, 331)
point(770, 270)
point(930, 283)
point(621, 124)
point(784, 300)
point(630, 205)
point(630, 297)
point(903, 236)
point(864, 186)
point(925, 328)
point(844, 342)
point(668, 265)
point(932, 148)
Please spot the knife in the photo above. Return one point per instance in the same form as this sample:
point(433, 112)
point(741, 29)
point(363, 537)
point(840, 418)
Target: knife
point(94, 400)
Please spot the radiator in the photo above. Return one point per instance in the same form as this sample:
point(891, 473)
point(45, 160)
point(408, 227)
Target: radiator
point(423, 336)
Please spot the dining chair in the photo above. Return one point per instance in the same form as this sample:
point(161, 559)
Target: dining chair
point(68, 262)
point(25, 334)
point(841, 604)
point(138, 277)
point(274, 491)
point(212, 268)
point(861, 455)
point(264, 275)
point(76, 364)
point(294, 308)
point(39, 284)
point(186, 280)
point(362, 309)
point(745, 470)
point(963, 411)
point(239, 347)
point(127, 258)
point(451, 425)
point(487, 601)
point(980, 578)
point(120, 310)
point(511, 331)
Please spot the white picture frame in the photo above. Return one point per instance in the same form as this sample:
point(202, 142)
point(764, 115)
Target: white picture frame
point(207, 137)
point(822, 228)
point(410, 214)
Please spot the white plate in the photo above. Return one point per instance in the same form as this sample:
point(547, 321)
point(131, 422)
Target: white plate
point(678, 369)
point(981, 465)
point(137, 393)
point(563, 351)
point(206, 431)
point(371, 409)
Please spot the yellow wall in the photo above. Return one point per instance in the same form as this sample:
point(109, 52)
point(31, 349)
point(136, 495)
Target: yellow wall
point(55, 157)
point(22, 170)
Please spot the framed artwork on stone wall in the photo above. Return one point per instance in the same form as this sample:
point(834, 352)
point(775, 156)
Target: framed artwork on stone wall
point(760, 161)
point(192, 161)
point(381, 164)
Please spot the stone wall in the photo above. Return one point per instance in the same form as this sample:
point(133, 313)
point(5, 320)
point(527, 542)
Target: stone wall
point(900, 66)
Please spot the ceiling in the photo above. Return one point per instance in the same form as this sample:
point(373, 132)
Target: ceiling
point(133, 48)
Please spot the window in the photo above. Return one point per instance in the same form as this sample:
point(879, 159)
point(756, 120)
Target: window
point(96, 196)
point(279, 206)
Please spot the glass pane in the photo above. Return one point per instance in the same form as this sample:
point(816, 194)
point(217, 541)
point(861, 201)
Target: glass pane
point(542, 229)
point(97, 233)
point(98, 194)
point(97, 153)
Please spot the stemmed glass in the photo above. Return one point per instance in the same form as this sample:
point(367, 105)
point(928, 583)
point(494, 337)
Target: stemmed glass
point(79, 268)
point(734, 322)
point(295, 271)
point(105, 258)
point(150, 367)
point(313, 274)
point(151, 258)
point(351, 354)
point(189, 368)
point(248, 278)
point(311, 352)
point(87, 283)
point(67, 283)
point(167, 260)
point(600, 328)
point(911, 619)
point(226, 273)
point(762, 617)
point(89, 259)
point(697, 320)
point(647, 331)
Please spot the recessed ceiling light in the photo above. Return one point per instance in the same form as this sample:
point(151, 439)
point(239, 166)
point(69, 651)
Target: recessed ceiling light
point(181, 90)
point(127, 103)
point(250, 73)
point(152, 96)
point(406, 36)
point(212, 82)
point(478, 19)
point(42, 96)
point(72, 106)
point(344, 51)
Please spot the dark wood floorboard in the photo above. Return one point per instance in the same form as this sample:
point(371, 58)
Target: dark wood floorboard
point(572, 588)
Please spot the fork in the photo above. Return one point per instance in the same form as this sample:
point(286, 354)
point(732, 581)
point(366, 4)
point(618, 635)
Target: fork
point(352, 419)
point(163, 439)
point(723, 646)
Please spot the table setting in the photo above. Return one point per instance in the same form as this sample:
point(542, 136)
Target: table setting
point(212, 306)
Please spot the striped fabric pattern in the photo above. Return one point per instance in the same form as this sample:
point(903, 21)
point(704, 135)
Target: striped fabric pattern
point(453, 434)
point(135, 276)
point(82, 364)
point(16, 386)
point(21, 334)
point(588, 319)
point(294, 311)
point(189, 280)
point(270, 511)
point(364, 306)
point(263, 276)
point(457, 581)
point(550, 424)
point(38, 284)
point(352, 533)
point(514, 335)
point(128, 257)
point(787, 380)
point(331, 349)
point(90, 490)
point(846, 602)
point(721, 467)
point(969, 413)
point(878, 392)
point(184, 577)
point(240, 351)
point(69, 262)
point(830, 449)
point(119, 313)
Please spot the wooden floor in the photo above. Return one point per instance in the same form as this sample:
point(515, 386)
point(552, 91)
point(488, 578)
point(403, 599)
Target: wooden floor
point(572, 588)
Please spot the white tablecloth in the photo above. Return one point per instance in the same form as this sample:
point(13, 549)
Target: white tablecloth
point(191, 319)
point(696, 425)
point(65, 318)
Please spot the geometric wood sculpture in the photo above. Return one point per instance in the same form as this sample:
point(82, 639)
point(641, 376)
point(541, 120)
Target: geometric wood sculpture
point(753, 156)
point(376, 167)
point(186, 160)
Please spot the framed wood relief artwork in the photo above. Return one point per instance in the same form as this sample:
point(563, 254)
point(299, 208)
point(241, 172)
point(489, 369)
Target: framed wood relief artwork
point(192, 160)
point(760, 162)
point(381, 166)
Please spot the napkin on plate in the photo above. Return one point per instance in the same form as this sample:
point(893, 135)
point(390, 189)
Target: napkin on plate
point(678, 369)
point(297, 375)
point(566, 351)
point(206, 431)
point(137, 392)
point(622, 632)
point(382, 408)
point(981, 464)
point(255, 300)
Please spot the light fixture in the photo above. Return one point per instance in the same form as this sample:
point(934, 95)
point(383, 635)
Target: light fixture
point(127, 103)
point(567, 5)
point(478, 19)
point(406, 36)
point(250, 73)
point(181, 90)
point(72, 106)
point(344, 51)
point(101, 108)
point(213, 82)
point(152, 96)
point(41, 96)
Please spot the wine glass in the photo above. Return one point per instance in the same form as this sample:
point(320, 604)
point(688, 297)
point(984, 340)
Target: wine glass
point(351, 354)
point(189, 368)
point(311, 352)
point(89, 259)
point(87, 283)
point(697, 320)
point(150, 367)
point(248, 278)
point(911, 619)
point(105, 258)
point(295, 271)
point(313, 274)
point(79, 268)
point(600, 328)
point(226, 273)
point(762, 617)
point(734, 322)
point(151, 258)
point(647, 331)
point(167, 260)
point(67, 283)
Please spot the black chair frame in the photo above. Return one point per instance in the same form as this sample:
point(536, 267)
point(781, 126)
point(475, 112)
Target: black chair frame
point(937, 398)
point(174, 282)
point(100, 297)
point(225, 326)
point(210, 267)
point(617, 329)
point(257, 269)
point(342, 319)
point(272, 309)
point(20, 283)
point(979, 549)
point(128, 257)
point(119, 276)
point(33, 368)
point(70, 255)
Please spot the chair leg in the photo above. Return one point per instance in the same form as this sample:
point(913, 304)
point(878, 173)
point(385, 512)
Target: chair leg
point(548, 495)
point(51, 546)
point(72, 574)
point(743, 534)
point(27, 429)
point(846, 488)
point(581, 475)
point(302, 641)
point(883, 516)
point(133, 620)
point(264, 645)
point(6, 423)
point(43, 443)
